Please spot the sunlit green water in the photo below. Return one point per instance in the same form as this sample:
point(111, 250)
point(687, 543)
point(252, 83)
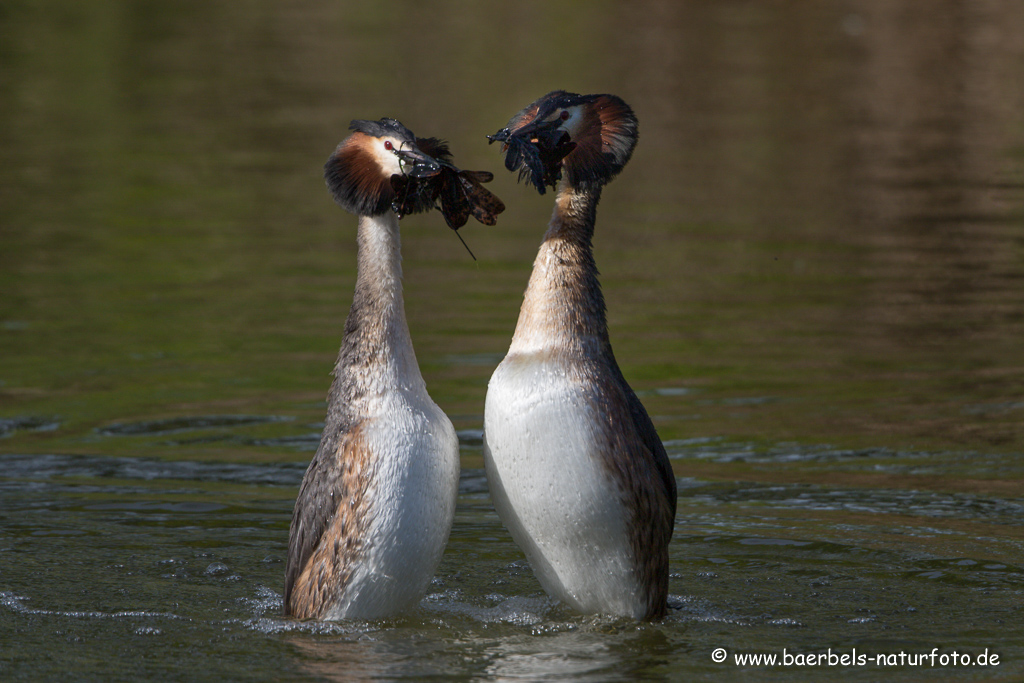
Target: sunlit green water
point(814, 269)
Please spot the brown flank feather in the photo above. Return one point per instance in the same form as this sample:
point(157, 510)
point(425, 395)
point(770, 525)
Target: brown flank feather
point(329, 541)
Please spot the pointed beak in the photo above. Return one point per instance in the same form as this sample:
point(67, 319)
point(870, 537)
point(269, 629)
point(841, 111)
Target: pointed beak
point(417, 164)
point(501, 136)
point(543, 132)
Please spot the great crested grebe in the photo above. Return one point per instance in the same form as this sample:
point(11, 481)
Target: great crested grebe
point(375, 507)
point(575, 467)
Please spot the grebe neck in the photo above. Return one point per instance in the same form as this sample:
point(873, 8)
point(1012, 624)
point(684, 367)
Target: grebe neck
point(563, 309)
point(376, 352)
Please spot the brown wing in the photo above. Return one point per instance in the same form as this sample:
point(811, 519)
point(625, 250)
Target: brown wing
point(328, 524)
point(640, 462)
point(655, 532)
point(649, 435)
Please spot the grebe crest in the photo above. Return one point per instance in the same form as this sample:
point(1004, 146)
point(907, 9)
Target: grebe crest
point(588, 137)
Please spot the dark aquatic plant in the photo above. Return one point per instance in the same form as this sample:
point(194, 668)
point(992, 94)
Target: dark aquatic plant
point(456, 193)
point(538, 158)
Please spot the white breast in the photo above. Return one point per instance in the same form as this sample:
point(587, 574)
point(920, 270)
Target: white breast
point(542, 454)
point(412, 503)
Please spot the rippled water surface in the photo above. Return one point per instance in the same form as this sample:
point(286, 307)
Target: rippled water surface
point(140, 567)
point(814, 271)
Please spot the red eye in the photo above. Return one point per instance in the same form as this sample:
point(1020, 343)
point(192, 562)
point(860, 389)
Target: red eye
point(564, 115)
point(388, 146)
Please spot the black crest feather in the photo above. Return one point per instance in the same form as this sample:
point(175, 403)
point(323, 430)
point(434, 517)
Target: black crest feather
point(381, 128)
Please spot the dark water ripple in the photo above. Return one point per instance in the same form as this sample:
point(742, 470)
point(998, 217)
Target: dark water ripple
point(46, 467)
point(32, 423)
point(932, 504)
point(192, 423)
point(36, 474)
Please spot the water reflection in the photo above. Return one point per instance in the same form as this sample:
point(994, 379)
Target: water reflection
point(565, 656)
point(933, 189)
point(360, 660)
point(583, 654)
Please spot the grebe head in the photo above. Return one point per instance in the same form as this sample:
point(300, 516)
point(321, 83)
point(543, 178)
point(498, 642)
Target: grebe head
point(589, 137)
point(361, 170)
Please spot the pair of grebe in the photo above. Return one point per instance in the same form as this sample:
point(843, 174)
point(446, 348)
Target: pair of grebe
point(576, 470)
